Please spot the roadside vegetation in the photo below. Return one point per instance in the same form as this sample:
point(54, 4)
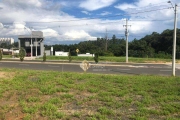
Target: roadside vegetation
point(111, 59)
point(50, 95)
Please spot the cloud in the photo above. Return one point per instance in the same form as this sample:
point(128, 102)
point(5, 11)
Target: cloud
point(23, 3)
point(143, 15)
point(125, 6)
point(86, 12)
point(50, 33)
point(91, 5)
point(57, 25)
point(105, 13)
point(73, 34)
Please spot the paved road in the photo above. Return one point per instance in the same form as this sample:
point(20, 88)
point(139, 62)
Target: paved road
point(150, 69)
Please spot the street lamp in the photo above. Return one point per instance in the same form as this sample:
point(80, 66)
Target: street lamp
point(31, 41)
point(174, 39)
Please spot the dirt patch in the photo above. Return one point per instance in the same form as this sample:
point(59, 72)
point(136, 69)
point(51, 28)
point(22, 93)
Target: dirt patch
point(3, 75)
point(7, 75)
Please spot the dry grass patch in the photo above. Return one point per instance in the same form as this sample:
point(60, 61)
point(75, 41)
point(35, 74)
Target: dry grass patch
point(6, 75)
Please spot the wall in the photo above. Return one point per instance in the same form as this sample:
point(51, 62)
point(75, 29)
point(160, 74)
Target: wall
point(61, 53)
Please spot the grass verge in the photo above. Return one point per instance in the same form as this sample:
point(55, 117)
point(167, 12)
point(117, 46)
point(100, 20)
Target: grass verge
point(52, 95)
point(112, 59)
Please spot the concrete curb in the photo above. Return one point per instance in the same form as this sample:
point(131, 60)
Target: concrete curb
point(75, 62)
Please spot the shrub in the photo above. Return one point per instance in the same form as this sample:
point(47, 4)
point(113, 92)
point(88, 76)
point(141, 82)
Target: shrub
point(44, 57)
point(22, 54)
point(0, 54)
point(96, 58)
point(69, 56)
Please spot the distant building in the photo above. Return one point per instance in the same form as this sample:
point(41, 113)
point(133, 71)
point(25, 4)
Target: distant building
point(8, 41)
point(86, 55)
point(37, 43)
point(61, 53)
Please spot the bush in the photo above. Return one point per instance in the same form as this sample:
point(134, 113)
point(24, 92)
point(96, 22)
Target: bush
point(96, 58)
point(162, 54)
point(22, 54)
point(44, 57)
point(1, 54)
point(69, 56)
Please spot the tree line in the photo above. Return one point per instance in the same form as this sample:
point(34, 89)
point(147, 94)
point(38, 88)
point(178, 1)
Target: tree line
point(154, 45)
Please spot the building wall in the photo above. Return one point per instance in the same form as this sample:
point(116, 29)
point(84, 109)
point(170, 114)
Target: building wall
point(48, 52)
point(37, 43)
point(9, 41)
point(61, 53)
point(86, 55)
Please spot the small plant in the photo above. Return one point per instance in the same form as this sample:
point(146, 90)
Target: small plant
point(96, 58)
point(44, 57)
point(22, 54)
point(0, 54)
point(77, 114)
point(69, 56)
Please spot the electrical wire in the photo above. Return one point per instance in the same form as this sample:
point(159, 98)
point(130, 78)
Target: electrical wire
point(101, 17)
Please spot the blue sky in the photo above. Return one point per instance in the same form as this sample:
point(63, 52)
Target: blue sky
point(71, 21)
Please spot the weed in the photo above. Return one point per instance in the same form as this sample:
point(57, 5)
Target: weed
point(77, 114)
point(27, 117)
point(33, 99)
point(30, 109)
point(61, 96)
point(105, 111)
point(66, 96)
point(48, 109)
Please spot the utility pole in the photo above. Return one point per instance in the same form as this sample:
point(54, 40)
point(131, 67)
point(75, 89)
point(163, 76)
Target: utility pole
point(106, 41)
point(174, 41)
point(126, 34)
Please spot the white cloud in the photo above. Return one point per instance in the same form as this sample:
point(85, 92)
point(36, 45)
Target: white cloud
point(86, 12)
point(105, 13)
point(23, 3)
point(49, 33)
point(73, 34)
point(95, 4)
point(15, 15)
point(143, 21)
point(1, 25)
point(125, 6)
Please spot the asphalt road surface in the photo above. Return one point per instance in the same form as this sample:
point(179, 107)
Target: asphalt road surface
point(130, 69)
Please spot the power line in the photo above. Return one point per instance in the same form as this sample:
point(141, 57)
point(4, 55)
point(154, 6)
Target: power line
point(103, 16)
point(94, 23)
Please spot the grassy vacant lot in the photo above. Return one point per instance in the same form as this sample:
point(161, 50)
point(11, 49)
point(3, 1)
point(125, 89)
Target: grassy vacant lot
point(44, 95)
point(113, 59)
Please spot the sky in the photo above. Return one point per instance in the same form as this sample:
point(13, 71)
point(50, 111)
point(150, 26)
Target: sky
point(72, 21)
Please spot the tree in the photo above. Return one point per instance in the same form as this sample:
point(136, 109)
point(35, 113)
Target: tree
point(1, 54)
point(22, 53)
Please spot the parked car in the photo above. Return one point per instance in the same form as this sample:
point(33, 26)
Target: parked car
point(28, 54)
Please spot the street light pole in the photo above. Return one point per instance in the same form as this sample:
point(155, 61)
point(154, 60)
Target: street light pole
point(31, 44)
point(31, 40)
point(36, 47)
point(174, 41)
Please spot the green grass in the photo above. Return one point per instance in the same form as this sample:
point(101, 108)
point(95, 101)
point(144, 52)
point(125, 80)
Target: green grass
point(7, 56)
point(52, 95)
point(110, 59)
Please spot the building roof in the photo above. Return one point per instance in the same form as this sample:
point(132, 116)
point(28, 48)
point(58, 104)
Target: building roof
point(35, 34)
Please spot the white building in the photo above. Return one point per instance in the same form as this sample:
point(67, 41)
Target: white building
point(86, 55)
point(61, 53)
point(8, 41)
